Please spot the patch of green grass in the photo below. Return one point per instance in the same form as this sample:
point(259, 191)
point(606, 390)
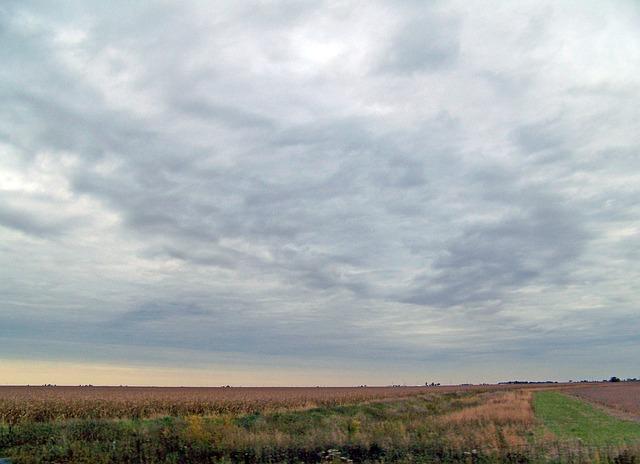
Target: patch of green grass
point(248, 421)
point(571, 418)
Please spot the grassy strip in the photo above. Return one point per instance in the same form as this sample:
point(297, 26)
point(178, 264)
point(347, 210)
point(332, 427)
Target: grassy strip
point(570, 418)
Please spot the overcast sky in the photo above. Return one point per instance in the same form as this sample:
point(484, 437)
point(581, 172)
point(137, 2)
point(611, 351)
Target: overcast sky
point(319, 192)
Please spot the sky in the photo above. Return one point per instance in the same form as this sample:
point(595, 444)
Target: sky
point(319, 192)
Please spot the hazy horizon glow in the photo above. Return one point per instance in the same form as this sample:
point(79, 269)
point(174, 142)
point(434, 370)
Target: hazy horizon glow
point(319, 193)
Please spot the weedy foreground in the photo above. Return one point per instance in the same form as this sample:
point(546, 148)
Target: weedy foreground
point(413, 425)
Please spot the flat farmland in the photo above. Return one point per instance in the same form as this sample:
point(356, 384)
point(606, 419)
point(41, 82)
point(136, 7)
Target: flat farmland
point(53, 403)
point(485, 423)
point(46, 403)
point(623, 396)
point(256, 425)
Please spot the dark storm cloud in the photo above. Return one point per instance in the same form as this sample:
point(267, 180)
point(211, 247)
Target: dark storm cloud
point(428, 183)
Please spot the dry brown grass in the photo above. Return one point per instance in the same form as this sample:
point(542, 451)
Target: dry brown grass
point(504, 408)
point(501, 420)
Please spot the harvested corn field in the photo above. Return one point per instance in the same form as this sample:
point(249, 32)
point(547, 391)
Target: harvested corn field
point(621, 396)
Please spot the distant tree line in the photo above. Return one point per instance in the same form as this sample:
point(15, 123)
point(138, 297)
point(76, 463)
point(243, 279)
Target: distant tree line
point(611, 379)
point(526, 382)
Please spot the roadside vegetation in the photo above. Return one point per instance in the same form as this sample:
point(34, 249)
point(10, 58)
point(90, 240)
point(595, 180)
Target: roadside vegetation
point(470, 426)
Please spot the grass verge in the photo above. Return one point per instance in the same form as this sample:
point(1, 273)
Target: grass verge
point(570, 418)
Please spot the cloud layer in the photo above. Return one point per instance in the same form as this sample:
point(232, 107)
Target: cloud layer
point(381, 185)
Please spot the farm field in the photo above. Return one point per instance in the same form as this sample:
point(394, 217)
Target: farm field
point(376, 424)
point(59, 403)
point(623, 396)
point(518, 424)
point(48, 403)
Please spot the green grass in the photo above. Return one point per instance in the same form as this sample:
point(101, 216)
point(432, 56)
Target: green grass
point(571, 418)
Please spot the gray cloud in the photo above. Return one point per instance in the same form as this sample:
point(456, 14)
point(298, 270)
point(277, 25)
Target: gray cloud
point(29, 224)
point(429, 186)
point(428, 41)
